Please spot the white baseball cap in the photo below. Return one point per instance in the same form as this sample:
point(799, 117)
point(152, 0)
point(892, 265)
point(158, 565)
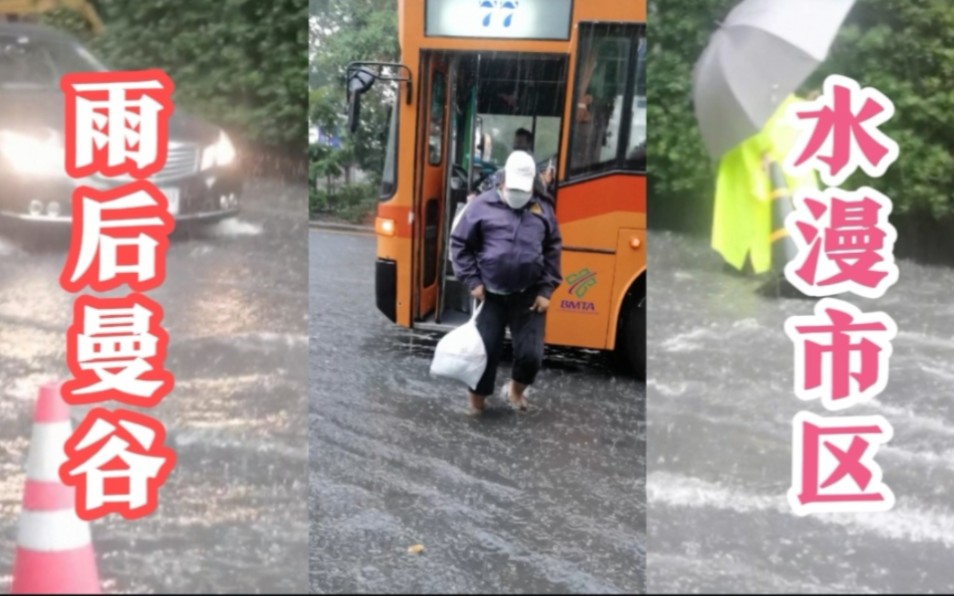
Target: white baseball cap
point(520, 171)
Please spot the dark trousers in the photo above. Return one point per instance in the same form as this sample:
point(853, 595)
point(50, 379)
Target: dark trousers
point(526, 333)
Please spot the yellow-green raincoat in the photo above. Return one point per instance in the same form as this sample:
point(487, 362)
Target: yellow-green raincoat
point(742, 218)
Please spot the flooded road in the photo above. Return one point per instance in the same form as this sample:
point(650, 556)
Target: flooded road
point(232, 516)
point(721, 405)
point(544, 503)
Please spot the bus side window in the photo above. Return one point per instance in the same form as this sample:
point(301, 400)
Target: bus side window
point(636, 147)
point(436, 125)
point(598, 129)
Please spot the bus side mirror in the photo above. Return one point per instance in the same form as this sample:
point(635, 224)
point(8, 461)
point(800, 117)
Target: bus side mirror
point(359, 81)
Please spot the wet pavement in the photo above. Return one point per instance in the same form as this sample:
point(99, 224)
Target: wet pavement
point(721, 405)
point(232, 516)
point(548, 502)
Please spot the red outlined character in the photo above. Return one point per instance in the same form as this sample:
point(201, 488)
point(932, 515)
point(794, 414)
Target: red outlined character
point(117, 462)
point(833, 467)
point(117, 123)
point(845, 243)
point(841, 132)
point(116, 351)
point(841, 353)
point(120, 236)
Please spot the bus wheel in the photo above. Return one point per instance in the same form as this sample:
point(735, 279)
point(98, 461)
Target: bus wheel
point(631, 347)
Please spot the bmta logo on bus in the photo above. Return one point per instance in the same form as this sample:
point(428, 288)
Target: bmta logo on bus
point(579, 283)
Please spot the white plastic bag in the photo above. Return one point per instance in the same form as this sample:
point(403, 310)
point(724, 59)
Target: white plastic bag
point(461, 355)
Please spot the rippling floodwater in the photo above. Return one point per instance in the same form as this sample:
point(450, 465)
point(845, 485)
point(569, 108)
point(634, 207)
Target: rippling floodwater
point(232, 516)
point(719, 442)
point(549, 502)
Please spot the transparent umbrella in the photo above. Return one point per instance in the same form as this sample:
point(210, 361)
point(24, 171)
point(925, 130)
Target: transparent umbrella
point(762, 52)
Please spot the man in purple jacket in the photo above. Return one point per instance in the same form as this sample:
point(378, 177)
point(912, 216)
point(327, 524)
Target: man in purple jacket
point(506, 250)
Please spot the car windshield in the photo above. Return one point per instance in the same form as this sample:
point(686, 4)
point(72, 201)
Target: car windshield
point(30, 65)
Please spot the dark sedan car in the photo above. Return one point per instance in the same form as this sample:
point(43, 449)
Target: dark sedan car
point(201, 178)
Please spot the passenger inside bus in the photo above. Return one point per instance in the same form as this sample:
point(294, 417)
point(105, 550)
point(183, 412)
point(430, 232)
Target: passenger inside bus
point(543, 185)
point(523, 140)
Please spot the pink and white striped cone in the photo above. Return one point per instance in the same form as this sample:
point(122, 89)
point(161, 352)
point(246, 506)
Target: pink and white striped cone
point(54, 549)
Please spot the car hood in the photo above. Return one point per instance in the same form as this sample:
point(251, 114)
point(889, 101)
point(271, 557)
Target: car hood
point(33, 111)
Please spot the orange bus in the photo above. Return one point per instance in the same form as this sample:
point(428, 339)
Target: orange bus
point(30, 10)
point(473, 72)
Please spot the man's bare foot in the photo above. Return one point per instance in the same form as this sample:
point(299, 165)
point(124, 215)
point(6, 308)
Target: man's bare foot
point(520, 404)
point(516, 394)
point(476, 403)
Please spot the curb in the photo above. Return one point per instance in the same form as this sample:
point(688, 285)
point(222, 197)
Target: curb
point(341, 227)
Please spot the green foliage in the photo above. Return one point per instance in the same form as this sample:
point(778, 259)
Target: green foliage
point(343, 31)
point(346, 30)
point(902, 48)
point(681, 171)
point(238, 63)
point(326, 163)
point(351, 202)
point(70, 21)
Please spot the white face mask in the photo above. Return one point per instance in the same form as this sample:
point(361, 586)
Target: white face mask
point(517, 199)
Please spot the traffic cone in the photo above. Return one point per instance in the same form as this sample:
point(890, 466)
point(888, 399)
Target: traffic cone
point(54, 550)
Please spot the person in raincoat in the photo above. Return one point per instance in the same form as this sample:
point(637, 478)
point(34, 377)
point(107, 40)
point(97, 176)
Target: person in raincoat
point(748, 220)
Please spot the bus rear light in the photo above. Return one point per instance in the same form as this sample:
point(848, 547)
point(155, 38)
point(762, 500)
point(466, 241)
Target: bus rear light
point(383, 226)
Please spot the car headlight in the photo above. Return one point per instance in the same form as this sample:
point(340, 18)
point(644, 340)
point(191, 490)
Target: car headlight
point(222, 153)
point(33, 155)
point(225, 150)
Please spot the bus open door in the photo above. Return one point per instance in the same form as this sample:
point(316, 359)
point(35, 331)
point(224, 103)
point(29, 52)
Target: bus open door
point(429, 211)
